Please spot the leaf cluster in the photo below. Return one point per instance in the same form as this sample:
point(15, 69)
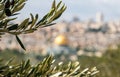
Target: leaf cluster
point(45, 68)
point(10, 8)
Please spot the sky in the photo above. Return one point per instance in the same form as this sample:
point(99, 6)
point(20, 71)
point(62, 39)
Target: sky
point(83, 9)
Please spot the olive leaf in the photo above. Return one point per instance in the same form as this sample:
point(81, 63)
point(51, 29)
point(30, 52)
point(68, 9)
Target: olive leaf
point(19, 41)
point(13, 27)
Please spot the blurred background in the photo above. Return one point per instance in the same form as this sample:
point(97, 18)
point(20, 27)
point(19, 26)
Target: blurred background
point(88, 31)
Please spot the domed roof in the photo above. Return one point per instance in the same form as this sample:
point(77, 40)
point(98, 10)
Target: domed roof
point(61, 40)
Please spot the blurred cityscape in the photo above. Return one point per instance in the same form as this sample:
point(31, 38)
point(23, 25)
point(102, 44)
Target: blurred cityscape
point(89, 35)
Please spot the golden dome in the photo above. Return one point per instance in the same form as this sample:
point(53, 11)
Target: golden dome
point(61, 40)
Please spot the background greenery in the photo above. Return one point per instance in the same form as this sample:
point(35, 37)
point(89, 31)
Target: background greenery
point(108, 64)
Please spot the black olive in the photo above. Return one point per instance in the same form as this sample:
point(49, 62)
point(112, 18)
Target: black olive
point(7, 4)
point(12, 2)
point(8, 12)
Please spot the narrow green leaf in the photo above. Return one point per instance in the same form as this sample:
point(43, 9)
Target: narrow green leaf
point(32, 17)
point(57, 14)
point(1, 7)
point(29, 31)
point(2, 15)
point(27, 64)
point(34, 20)
point(48, 25)
point(13, 27)
point(10, 19)
point(54, 4)
point(43, 19)
point(19, 41)
point(23, 24)
point(7, 63)
point(31, 72)
point(51, 12)
point(59, 4)
point(18, 8)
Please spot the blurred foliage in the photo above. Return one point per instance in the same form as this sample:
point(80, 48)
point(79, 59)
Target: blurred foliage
point(45, 68)
point(108, 64)
point(9, 9)
point(8, 54)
